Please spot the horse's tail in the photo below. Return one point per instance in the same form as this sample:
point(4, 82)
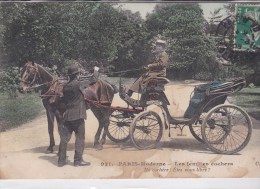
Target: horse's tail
point(115, 89)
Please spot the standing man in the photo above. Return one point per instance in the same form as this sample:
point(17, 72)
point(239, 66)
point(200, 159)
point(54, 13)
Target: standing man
point(73, 119)
point(155, 69)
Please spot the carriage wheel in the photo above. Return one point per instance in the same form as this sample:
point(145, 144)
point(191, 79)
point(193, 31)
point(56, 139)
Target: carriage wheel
point(195, 129)
point(226, 129)
point(146, 130)
point(118, 129)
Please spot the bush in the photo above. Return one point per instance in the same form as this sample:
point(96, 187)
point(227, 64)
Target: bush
point(14, 112)
point(203, 76)
point(9, 81)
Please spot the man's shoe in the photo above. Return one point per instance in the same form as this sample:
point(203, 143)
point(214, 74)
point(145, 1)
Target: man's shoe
point(61, 164)
point(82, 163)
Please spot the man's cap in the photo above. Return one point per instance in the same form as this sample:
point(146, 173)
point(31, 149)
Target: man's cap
point(73, 70)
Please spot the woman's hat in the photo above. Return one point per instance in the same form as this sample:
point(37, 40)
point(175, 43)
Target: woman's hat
point(159, 41)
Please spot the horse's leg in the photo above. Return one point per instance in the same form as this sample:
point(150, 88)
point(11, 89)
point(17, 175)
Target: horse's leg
point(97, 145)
point(97, 112)
point(103, 138)
point(105, 122)
point(50, 118)
point(59, 120)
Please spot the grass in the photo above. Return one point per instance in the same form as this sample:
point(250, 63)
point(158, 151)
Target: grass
point(249, 99)
point(14, 112)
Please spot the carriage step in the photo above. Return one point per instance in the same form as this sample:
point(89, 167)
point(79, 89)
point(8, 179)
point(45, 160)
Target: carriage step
point(181, 119)
point(125, 115)
point(181, 135)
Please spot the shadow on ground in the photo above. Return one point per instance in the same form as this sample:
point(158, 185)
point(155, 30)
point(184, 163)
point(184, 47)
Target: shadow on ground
point(176, 144)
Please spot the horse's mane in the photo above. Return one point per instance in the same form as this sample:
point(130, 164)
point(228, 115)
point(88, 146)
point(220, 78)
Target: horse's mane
point(46, 69)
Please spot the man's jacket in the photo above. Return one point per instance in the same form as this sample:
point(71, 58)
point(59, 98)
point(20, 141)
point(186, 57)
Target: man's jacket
point(74, 100)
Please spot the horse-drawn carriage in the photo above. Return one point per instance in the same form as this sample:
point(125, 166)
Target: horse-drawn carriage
point(224, 128)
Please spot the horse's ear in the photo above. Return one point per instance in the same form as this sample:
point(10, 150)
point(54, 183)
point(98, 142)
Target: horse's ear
point(33, 63)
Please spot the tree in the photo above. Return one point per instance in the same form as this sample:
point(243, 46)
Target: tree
point(57, 33)
point(132, 44)
point(42, 31)
point(192, 53)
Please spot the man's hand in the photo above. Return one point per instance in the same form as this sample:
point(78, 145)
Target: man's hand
point(146, 67)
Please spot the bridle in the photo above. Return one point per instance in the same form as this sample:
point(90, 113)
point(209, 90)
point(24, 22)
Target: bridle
point(36, 72)
point(35, 76)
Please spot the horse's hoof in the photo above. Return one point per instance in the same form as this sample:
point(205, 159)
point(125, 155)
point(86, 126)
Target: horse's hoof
point(98, 147)
point(49, 151)
point(102, 142)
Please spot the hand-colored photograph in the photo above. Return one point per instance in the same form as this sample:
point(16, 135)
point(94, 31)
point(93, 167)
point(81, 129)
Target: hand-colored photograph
point(127, 90)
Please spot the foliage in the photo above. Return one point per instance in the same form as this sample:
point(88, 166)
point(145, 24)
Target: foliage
point(203, 76)
point(191, 51)
point(133, 47)
point(14, 112)
point(40, 31)
point(9, 81)
point(54, 33)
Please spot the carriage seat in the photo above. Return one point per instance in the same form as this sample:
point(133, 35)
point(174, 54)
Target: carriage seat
point(157, 83)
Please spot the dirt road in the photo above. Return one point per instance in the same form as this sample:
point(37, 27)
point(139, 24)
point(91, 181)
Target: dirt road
point(22, 153)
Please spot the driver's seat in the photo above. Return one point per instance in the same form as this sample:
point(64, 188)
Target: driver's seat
point(157, 84)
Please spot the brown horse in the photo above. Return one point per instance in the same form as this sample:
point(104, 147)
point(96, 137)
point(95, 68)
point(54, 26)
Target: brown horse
point(33, 75)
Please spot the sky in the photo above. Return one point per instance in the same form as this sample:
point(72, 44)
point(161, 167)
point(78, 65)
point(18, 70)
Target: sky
point(145, 8)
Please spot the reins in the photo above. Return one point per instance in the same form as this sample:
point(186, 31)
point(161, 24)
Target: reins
point(100, 104)
point(39, 85)
point(125, 71)
point(130, 70)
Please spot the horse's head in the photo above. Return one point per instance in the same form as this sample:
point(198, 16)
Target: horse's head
point(29, 76)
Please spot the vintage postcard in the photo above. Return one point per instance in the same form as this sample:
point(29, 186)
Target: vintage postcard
point(120, 90)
